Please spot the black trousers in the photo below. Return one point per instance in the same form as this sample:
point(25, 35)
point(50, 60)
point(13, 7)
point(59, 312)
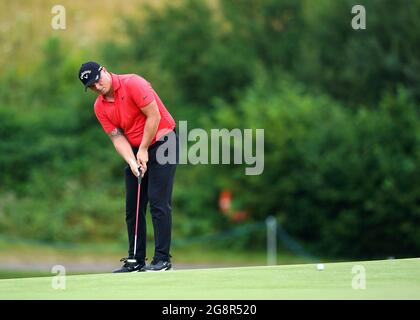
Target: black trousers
point(156, 190)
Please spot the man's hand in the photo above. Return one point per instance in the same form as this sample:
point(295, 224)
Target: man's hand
point(142, 159)
point(135, 168)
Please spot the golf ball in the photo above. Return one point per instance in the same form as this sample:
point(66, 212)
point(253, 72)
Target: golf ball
point(320, 266)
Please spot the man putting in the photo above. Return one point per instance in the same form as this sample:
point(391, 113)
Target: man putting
point(136, 120)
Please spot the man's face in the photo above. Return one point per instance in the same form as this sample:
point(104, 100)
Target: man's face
point(103, 85)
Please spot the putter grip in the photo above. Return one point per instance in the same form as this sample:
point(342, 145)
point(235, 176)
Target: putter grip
point(139, 178)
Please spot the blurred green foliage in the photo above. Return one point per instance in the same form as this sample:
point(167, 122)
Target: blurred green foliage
point(340, 109)
point(344, 182)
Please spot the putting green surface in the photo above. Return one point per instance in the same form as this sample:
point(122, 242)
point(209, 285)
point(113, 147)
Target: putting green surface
point(381, 279)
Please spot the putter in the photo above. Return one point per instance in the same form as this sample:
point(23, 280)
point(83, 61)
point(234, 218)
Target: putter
point(134, 261)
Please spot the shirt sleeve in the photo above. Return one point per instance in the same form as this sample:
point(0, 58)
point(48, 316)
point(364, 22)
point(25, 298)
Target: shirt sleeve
point(141, 91)
point(106, 124)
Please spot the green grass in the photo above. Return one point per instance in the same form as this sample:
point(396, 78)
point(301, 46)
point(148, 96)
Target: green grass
point(11, 274)
point(24, 252)
point(385, 279)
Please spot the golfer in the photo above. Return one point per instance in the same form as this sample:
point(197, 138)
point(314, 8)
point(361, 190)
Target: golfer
point(136, 120)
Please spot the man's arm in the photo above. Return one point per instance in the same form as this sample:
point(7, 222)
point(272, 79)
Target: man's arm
point(152, 123)
point(150, 128)
point(123, 147)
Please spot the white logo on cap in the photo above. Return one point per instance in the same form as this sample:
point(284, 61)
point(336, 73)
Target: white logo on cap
point(85, 74)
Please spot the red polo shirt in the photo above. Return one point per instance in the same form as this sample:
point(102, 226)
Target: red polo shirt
point(131, 93)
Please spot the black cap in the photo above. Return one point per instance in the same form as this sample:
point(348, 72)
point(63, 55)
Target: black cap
point(89, 73)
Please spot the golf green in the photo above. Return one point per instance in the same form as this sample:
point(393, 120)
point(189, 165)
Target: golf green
point(379, 279)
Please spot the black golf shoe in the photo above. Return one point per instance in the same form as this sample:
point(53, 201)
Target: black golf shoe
point(159, 265)
point(131, 265)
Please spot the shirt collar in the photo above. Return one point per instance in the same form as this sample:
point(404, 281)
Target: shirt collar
point(115, 81)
